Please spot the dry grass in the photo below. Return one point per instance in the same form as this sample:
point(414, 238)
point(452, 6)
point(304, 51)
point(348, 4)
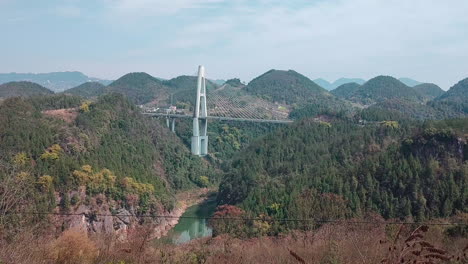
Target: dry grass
point(330, 244)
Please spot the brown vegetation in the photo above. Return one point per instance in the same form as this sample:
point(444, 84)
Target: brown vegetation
point(329, 244)
point(68, 115)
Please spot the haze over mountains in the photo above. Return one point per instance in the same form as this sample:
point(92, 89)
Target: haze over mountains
point(331, 86)
point(294, 93)
point(55, 81)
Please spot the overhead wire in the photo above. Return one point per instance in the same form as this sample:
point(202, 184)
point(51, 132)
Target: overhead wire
point(339, 221)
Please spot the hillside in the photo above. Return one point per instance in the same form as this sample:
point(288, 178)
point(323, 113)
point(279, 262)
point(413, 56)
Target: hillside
point(284, 87)
point(320, 170)
point(345, 90)
point(140, 88)
point(458, 92)
point(183, 88)
point(429, 90)
point(381, 88)
point(87, 90)
point(25, 89)
point(55, 81)
point(105, 151)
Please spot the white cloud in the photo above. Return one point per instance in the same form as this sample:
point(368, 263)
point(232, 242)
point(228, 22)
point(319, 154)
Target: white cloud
point(329, 39)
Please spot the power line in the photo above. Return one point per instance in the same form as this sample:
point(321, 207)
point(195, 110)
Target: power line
point(336, 221)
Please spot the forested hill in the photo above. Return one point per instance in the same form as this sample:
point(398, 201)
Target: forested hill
point(139, 87)
point(142, 88)
point(458, 92)
point(106, 146)
point(183, 88)
point(346, 90)
point(88, 90)
point(381, 88)
point(322, 170)
point(24, 89)
point(429, 90)
point(285, 87)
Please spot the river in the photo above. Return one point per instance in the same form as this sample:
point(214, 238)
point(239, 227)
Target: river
point(191, 228)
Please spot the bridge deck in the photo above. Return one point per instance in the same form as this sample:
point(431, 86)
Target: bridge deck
point(222, 118)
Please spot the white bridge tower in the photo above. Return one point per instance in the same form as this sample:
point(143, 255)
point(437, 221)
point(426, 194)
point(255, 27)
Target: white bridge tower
point(200, 124)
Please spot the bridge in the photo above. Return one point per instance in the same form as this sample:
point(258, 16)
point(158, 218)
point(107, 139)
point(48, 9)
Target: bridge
point(224, 105)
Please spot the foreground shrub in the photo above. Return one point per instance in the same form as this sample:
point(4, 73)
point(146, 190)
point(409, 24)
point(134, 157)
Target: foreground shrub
point(73, 246)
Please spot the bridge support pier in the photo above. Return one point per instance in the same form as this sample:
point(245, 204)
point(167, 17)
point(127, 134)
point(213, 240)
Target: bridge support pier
point(170, 123)
point(200, 123)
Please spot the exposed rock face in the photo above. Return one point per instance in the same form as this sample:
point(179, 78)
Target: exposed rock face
point(102, 215)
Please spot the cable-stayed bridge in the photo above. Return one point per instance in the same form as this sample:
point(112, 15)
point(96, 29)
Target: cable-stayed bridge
point(224, 105)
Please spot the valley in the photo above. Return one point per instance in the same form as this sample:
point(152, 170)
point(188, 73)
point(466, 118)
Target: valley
point(359, 164)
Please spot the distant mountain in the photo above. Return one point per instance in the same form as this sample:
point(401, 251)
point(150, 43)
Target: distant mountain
point(458, 92)
point(285, 87)
point(55, 81)
point(324, 84)
point(382, 88)
point(24, 89)
point(409, 82)
point(139, 87)
point(89, 89)
point(342, 81)
point(330, 86)
point(345, 90)
point(429, 90)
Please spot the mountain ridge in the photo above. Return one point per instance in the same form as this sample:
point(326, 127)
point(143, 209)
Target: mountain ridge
point(22, 88)
point(55, 81)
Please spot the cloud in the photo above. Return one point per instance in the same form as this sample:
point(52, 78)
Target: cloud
point(338, 37)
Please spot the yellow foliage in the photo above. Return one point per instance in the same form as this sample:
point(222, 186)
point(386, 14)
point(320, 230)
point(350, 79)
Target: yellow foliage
point(275, 207)
point(87, 168)
point(55, 148)
point(82, 177)
point(85, 107)
point(132, 186)
point(323, 123)
point(20, 159)
point(105, 180)
point(262, 227)
point(45, 181)
point(204, 181)
point(391, 124)
point(108, 176)
point(22, 176)
point(52, 153)
point(73, 246)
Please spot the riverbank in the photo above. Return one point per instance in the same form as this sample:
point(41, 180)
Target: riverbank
point(184, 201)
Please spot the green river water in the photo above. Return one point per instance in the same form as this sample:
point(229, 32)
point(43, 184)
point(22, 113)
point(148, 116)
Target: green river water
point(191, 228)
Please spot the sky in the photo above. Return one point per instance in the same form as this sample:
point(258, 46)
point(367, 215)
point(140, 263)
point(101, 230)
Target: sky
point(426, 40)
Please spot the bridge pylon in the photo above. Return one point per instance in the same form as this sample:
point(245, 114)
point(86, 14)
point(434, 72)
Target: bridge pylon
point(200, 122)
